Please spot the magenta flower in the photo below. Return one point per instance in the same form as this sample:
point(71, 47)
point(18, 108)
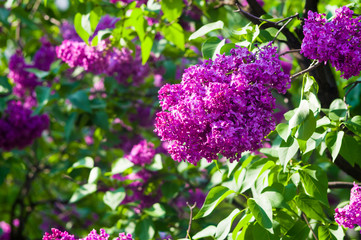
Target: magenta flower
point(337, 41)
point(142, 153)
point(223, 106)
point(350, 215)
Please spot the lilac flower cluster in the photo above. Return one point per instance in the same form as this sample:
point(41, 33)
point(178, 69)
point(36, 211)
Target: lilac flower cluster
point(337, 41)
point(18, 128)
point(350, 215)
point(103, 59)
point(6, 229)
point(25, 82)
point(223, 106)
point(142, 153)
point(93, 235)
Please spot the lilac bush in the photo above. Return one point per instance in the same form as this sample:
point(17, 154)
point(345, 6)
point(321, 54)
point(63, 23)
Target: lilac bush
point(221, 107)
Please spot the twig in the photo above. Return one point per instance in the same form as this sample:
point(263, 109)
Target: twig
point(353, 85)
point(190, 218)
point(309, 226)
point(251, 15)
point(290, 51)
point(341, 185)
point(290, 17)
point(311, 67)
point(280, 30)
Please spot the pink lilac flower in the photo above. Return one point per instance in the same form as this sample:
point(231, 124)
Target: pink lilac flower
point(103, 59)
point(223, 106)
point(124, 236)
point(6, 229)
point(93, 235)
point(337, 41)
point(58, 235)
point(98, 89)
point(142, 153)
point(18, 128)
point(350, 215)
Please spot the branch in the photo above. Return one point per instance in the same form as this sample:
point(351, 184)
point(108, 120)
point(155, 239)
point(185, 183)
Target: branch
point(341, 185)
point(290, 51)
point(310, 68)
point(190, 218)
point(309, 226)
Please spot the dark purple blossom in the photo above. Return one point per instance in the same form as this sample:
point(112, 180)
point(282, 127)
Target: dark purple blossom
point(337, 41)
point(45, 56)
point(221, 107)
point(18, 128)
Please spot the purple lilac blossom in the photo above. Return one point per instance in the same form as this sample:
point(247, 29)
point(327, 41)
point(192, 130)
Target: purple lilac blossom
point(142, 153)
point(223, 106)
point(337, 41)
point(45, 56)
point(69, 33)
point(350, 215)
point(6, 229)
point(24, 80)
point(93, 235)
point(139, 2)
point(18, 128)
point(104, 23)
point(103, 59)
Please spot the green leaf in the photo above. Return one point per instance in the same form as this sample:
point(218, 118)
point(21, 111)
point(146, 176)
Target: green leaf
point(274, 194)
point(170, 189)
point(42, 94)
point(86, 162)
point(334, 142)
point(290, 191)
point(209, 47)
point(354, 125)
point(82, 192)
point(262, 212)
point(101, 120)
point(38, 73)
point(300, 115)
point(94, 175)
point(120, 165)
point(338, 110)
point(310, 207)
point(214, 197)
point(252, 172)
point(283, 131)
point(287, 150)
point(206, 29)
point(207, 232)
point(137, 20)
point(299, 231)
point(314, 180)
point(350, 149)
point(245, 220)
point(94, 17)
point(144, 229)
point(174, 33)
point(80, 100)
point(114, 198)
point(226, 48)
point(78, 24)
point(309, 84)
point(225, 225)
point(146, 46)
point(172, 9)
point(157, 211)
point(307, 127)
point(324, 233)
point(69, 125)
